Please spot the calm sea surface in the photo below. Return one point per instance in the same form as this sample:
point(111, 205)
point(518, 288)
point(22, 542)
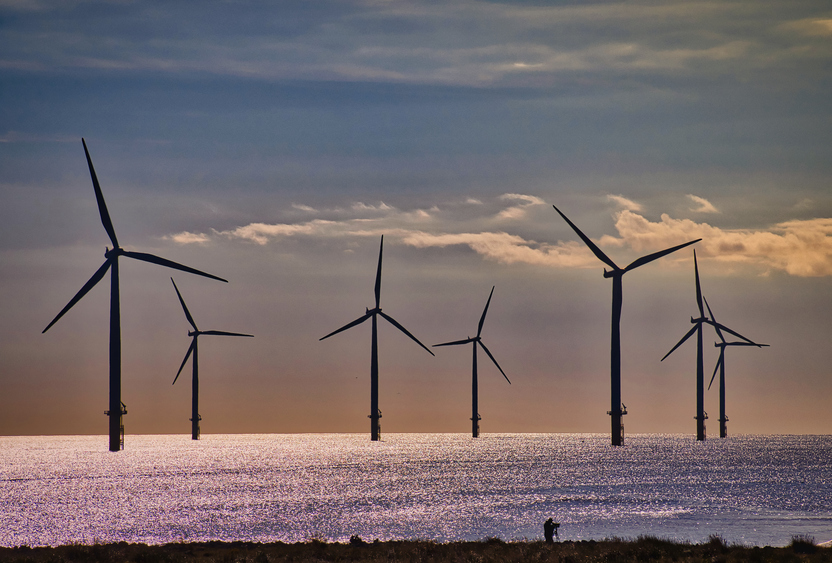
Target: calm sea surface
point(754, 490)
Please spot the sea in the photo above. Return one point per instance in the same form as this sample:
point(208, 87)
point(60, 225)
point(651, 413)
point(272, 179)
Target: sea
point(748, 490)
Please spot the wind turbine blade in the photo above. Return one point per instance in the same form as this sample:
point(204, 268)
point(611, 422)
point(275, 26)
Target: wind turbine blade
point(393, 322)
point(184, 307)
point(685, 337)
point(188, 355)
point(484, 311)
point(698, 287)
point(495, 361)
point(715, 324)
point(170, 264)
point(357, 321)
point(718, 363)
point(595, 250)
point(96, 277)
point(656, 255)
point(455, 342)
point(223, 333)
point(99, 197)
point(378, 273)
point(745, 344)
point(729, 331)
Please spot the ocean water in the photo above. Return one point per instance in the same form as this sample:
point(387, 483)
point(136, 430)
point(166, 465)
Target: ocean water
point(752, 490)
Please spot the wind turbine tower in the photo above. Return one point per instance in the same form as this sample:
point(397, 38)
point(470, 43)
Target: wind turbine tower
point(720, 366)
point(616, 411)
point(194, 334)
point(117, 409)
point(701, 415)
point(477, 340)
point(375, 413)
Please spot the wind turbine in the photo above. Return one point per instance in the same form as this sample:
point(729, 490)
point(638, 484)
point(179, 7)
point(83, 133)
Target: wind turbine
point(117, 409)
point(475, 416)
point(375, 413)
point(616, 411)
point(195, 417)
point(720, 365)
point(701, 415)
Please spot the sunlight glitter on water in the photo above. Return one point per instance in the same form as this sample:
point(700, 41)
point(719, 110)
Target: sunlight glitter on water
point(748, 489)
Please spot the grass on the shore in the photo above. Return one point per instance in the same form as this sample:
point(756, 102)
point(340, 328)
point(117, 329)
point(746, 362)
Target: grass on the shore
point(491, 550)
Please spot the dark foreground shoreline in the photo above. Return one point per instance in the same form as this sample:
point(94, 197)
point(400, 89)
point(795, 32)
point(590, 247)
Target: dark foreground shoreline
point(490, 550)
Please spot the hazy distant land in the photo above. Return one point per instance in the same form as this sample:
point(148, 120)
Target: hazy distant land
point(613, 550)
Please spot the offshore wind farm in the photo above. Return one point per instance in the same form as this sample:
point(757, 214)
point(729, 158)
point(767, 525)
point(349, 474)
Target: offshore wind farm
point(294, 149)
point(456, 168)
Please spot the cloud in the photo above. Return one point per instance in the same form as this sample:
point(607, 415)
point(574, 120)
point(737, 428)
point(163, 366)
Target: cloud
point(811, 26)
point(381, 207)
point(705, 206)
point(305, 208)
point(625, 203)
point(805, 204)
point(188, 238)
point(261, 233)
point(440, 43)
point(518, 211)
point(799, 247)
point(508, 249)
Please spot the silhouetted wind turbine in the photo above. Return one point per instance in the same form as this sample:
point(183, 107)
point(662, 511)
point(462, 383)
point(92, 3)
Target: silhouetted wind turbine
point(111, 263)
point(616, 411)
point(195, 417)
point(701, 415)
point(475, 416)
point(375, 413)
point(720, 365)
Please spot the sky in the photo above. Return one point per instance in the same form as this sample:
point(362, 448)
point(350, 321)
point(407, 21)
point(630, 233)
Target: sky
point(273, 144)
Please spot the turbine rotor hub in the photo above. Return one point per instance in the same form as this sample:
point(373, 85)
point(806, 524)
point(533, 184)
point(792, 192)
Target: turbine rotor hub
point(115, 252)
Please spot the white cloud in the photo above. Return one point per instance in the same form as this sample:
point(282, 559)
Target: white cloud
point(261, 233)
point(625, 203)
point(518, 211)
point(188, 238)
point(359, 206)
point(306, 208)
point(704, 206)
point(508, 249)
point(799, 248)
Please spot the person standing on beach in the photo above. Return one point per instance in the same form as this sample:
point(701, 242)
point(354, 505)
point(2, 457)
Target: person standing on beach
point(550, 529)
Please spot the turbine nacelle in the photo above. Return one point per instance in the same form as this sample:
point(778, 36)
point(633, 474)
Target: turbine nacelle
point(613, 273)
point(113, 253)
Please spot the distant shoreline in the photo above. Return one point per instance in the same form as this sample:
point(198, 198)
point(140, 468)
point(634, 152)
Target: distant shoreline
point(496, 550)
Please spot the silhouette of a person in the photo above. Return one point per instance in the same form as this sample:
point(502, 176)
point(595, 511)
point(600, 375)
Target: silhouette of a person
point(550, 529)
